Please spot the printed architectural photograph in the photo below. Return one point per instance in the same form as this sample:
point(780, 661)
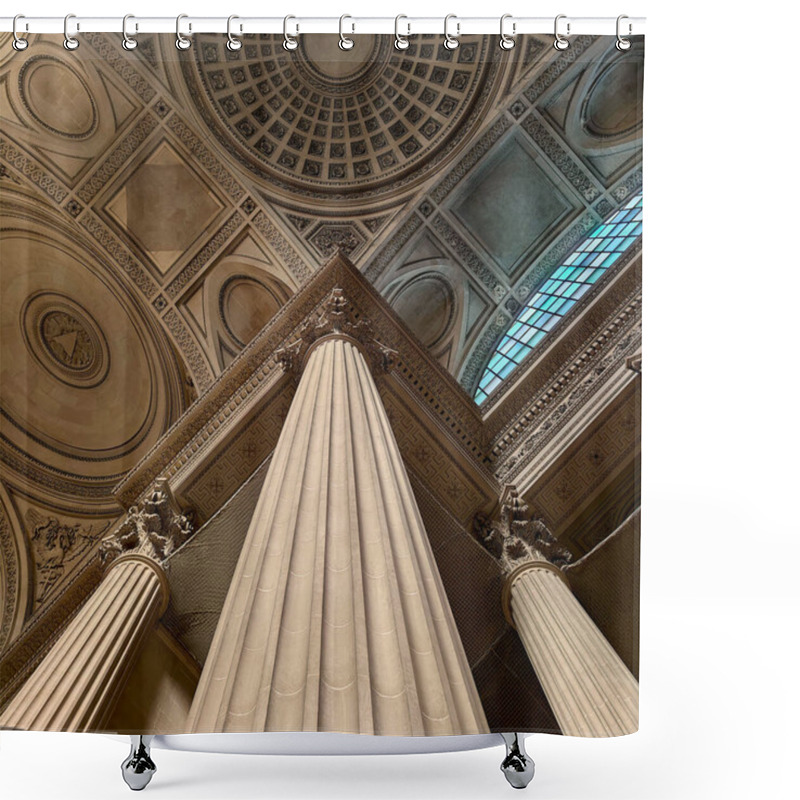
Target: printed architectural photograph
point(320, 385)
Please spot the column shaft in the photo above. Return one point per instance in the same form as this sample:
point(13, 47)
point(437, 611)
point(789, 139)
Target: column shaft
point(76, 685)
point(588, 686)
point(336, 618)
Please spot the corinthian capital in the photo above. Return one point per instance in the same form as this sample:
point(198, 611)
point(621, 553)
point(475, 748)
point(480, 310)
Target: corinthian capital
point(155, 528)
point(339, 318)
point(518, 536)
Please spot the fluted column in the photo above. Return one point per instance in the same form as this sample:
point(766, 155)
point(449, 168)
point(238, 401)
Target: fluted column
point(588, 686)
point(590, 690)
point(336, 618)
point(77, 684)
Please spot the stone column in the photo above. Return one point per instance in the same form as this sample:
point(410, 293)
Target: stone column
point(78, 683)
point(588, 686)
point(336, 618)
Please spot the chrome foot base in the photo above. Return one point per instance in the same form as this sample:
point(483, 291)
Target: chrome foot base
point(517, 766)
point(138, 768)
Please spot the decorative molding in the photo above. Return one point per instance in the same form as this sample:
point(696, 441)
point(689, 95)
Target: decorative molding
point(255, 371)
point(32, 171)
point(196, 360)
point(560, 157)
point(10, 576)
point(328, 238)
point(288, 254)
point(549, 414)
point(467, 256)
point(206, 158)
point(378, 264)
point(206, 254)
point(111, 54)
point(121, 255)
point(485, 143)
point(577, 46)
point(154, 529)
point(518, 536)
point(118, 158)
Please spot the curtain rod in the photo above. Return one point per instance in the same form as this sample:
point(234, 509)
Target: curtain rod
point(632, 26)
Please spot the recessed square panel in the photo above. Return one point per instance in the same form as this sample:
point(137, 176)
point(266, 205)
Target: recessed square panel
point(511, 204)
point(164, 206)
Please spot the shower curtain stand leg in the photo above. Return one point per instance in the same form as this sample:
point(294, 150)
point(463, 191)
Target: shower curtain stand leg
point(517, 766)
point(138, 768)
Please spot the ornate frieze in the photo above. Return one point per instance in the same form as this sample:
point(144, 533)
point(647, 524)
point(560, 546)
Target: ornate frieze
point(518, 536)
point(56, 546)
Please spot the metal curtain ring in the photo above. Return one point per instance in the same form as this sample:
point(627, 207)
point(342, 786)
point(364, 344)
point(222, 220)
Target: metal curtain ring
point(128, 42)
point(18, 43)
point(401, 42)
point(450, 41)
point(70, 42)
point(233, 44)
point(181, 42)
point(344, 42)
point(623, 44)
point(507, 41)
point(289, 42)
point(560, 42)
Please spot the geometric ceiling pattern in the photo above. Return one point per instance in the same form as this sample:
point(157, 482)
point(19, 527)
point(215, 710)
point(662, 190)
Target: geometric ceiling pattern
point(159, 207)
point(333, 121)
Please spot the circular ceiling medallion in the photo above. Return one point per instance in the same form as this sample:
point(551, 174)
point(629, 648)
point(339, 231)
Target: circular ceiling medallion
point(246, 306)
point(57, 98)
point(321, 121)
point(427, 305)
point(612, 107)
point(62, 336)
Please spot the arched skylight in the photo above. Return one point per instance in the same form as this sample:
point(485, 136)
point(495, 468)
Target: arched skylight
point(570, 281)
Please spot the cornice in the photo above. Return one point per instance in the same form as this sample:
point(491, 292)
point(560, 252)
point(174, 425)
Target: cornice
point(258, 368)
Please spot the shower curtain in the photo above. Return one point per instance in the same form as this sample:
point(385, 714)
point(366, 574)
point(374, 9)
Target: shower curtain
point(321, 377)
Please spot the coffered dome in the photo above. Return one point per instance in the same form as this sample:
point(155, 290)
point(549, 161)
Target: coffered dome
point(326, 122)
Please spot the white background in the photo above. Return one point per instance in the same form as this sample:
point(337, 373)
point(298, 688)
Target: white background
point(720, 601)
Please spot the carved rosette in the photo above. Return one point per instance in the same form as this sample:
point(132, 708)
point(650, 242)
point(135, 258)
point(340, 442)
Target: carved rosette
point(518, 537)
point(339, 318)
point(154, 529)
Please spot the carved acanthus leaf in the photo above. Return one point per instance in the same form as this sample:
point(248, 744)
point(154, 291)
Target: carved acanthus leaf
point(339, 317)
point(155, 528)
point(518, 536)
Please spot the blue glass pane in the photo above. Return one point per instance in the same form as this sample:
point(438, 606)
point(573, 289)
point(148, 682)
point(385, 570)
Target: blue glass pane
point(569, 281)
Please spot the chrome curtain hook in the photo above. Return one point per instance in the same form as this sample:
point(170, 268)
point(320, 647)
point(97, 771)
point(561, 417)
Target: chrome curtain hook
point(70, 42)
point(19, 43)
point(233, 44)
point(128, 42)
point(450, 40)
point(401, 42)
point(623, 44)
point(560, 42)
point(344, 42)
point(507, 40)
point(181, 42)
point(289, 41)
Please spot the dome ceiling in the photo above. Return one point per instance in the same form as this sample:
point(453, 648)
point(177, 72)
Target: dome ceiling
point(323, 122)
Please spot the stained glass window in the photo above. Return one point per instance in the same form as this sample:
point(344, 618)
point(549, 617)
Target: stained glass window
point(568, 283)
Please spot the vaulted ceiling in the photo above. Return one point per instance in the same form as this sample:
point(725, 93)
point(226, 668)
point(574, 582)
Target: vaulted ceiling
point(159, 207)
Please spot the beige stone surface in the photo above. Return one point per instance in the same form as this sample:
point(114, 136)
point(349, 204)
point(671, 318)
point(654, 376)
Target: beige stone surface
point(589, 688)
point(337, 619)
point(76, 685)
